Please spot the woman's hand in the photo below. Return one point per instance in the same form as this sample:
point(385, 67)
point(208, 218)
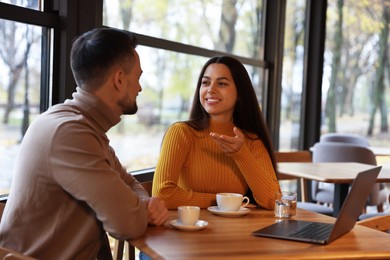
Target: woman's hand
point(229, 144)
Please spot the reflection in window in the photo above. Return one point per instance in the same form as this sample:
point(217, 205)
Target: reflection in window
point(20, 76)
point(228, 26)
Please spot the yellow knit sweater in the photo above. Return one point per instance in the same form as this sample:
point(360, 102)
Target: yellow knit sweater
point(192, 168)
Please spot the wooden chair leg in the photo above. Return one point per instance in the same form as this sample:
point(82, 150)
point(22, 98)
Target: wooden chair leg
point(105, 250)
point(131, 251)
point(123, 248)
point(379, 207)
point(118, 249)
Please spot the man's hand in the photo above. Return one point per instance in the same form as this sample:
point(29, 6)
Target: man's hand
point(157, 211)
point(229, 144)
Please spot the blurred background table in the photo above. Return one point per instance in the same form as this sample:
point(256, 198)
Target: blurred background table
point(340, 173)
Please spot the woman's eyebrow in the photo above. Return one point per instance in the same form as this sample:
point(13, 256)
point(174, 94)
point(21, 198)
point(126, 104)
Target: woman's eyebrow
point(223, 77)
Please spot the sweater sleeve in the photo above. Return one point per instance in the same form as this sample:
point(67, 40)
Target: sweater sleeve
point(175, 150)
point(256, 166)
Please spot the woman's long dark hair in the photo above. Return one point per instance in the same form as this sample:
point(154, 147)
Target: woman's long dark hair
point(246, 115)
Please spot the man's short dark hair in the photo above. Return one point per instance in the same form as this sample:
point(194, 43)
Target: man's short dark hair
point(96, 51)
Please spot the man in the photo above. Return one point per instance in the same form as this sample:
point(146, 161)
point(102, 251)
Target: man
point(69, 187)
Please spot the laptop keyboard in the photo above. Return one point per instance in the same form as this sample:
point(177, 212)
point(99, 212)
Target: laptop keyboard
point(313, 230)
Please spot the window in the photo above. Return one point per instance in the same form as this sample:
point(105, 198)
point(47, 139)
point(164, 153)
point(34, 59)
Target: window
point(188, 33)
point(31, 4)
point(226, 26)
point(292, 75)
point(20, 88)
point(24, 85)
point(355, 78)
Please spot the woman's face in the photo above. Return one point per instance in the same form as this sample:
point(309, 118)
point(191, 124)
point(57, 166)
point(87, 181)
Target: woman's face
point(218, 92)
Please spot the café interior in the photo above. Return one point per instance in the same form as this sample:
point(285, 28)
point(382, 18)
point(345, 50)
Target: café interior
point(291, 49)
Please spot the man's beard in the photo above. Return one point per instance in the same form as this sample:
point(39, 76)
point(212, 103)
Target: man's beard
point(128, 108)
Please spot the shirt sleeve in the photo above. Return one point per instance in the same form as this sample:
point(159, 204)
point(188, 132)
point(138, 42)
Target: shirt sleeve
point(83, 164)
point(129, 179)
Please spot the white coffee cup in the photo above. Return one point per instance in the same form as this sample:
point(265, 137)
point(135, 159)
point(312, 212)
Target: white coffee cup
point(188, 215)
point(231, 201)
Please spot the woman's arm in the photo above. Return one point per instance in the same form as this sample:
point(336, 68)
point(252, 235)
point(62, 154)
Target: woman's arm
point(256, 166)
point(254, 163)
point(176, 148)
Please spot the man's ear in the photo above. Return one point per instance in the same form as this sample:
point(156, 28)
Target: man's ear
point(118, 79)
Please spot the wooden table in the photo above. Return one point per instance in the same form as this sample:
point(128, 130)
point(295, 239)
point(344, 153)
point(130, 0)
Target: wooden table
point(231, 238)
point(339, 173)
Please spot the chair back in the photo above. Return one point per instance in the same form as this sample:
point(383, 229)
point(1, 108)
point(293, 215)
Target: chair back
point(148, 185)
point(291, 156)
point(2, 206)
point(303, 186)
point(345, 138)
point(342, 152)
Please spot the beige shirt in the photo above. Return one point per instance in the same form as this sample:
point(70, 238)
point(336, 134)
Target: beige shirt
point(68, 185)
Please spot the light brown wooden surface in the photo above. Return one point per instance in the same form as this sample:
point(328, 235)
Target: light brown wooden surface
point(380, 223)
point(231, 238)
point(294, 156)
point(338, 172)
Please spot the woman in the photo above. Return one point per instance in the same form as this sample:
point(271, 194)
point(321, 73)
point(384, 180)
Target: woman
point(223, 147)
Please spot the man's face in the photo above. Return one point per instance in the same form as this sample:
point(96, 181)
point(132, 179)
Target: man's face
point(128, 103)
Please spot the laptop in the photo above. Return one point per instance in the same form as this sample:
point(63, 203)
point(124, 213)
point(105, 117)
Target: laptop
point(324, 233)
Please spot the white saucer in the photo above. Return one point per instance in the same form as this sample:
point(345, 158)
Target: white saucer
point(215, 210)
point(200, 224)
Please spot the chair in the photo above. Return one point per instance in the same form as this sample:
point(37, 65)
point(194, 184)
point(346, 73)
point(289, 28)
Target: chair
point(379, 222)
point(344, 152)
point(105, 249)
point(301, 156)
point(2, 205)
point(345, 138)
